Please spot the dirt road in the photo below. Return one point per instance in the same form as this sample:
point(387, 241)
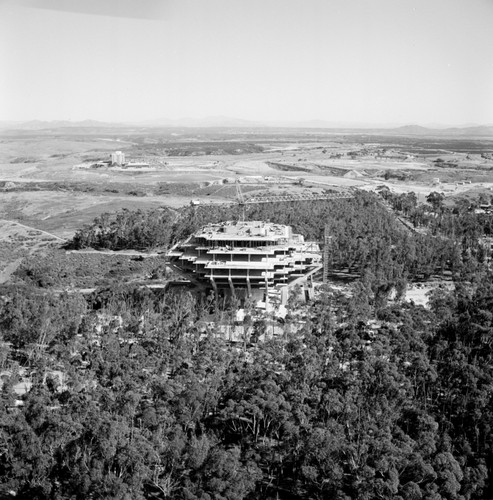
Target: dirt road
point(30, 228)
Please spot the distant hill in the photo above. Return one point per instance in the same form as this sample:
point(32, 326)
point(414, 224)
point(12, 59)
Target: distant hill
point(231, 123)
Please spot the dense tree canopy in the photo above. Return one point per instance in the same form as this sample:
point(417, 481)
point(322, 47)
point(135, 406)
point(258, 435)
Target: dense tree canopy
point(130, 393)
point(131, 398)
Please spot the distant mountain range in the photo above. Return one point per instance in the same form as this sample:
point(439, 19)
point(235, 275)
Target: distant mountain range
point(226, 122)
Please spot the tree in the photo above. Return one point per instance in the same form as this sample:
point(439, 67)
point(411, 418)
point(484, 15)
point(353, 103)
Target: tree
point(435, 199)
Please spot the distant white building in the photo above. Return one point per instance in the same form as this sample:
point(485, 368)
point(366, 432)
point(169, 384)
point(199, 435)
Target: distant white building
point(117, 158)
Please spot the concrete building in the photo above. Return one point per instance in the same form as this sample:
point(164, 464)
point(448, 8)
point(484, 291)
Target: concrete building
point(117, 158)
point(247, 259)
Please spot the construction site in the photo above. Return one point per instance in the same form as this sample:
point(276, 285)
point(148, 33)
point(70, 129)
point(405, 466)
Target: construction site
point(254, 260)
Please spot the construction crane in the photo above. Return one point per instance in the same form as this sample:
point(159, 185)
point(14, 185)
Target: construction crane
point(327, 254)
point(240, 198)
point(327, 247)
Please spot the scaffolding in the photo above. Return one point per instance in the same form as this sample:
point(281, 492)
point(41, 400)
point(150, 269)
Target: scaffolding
point(249, 256)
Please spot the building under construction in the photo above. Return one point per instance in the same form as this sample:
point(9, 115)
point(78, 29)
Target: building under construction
point(253, 259)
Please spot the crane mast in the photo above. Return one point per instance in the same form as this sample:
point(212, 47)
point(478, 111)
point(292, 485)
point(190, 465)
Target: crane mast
point(240, 198)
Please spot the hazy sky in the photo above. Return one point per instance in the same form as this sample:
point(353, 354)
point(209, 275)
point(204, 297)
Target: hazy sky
point(364, 61)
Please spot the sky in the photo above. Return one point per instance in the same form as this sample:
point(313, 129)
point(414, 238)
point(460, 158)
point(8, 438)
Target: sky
point(371, 62)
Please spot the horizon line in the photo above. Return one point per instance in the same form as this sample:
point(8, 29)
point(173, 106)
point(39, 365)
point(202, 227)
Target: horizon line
point(243, 123)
